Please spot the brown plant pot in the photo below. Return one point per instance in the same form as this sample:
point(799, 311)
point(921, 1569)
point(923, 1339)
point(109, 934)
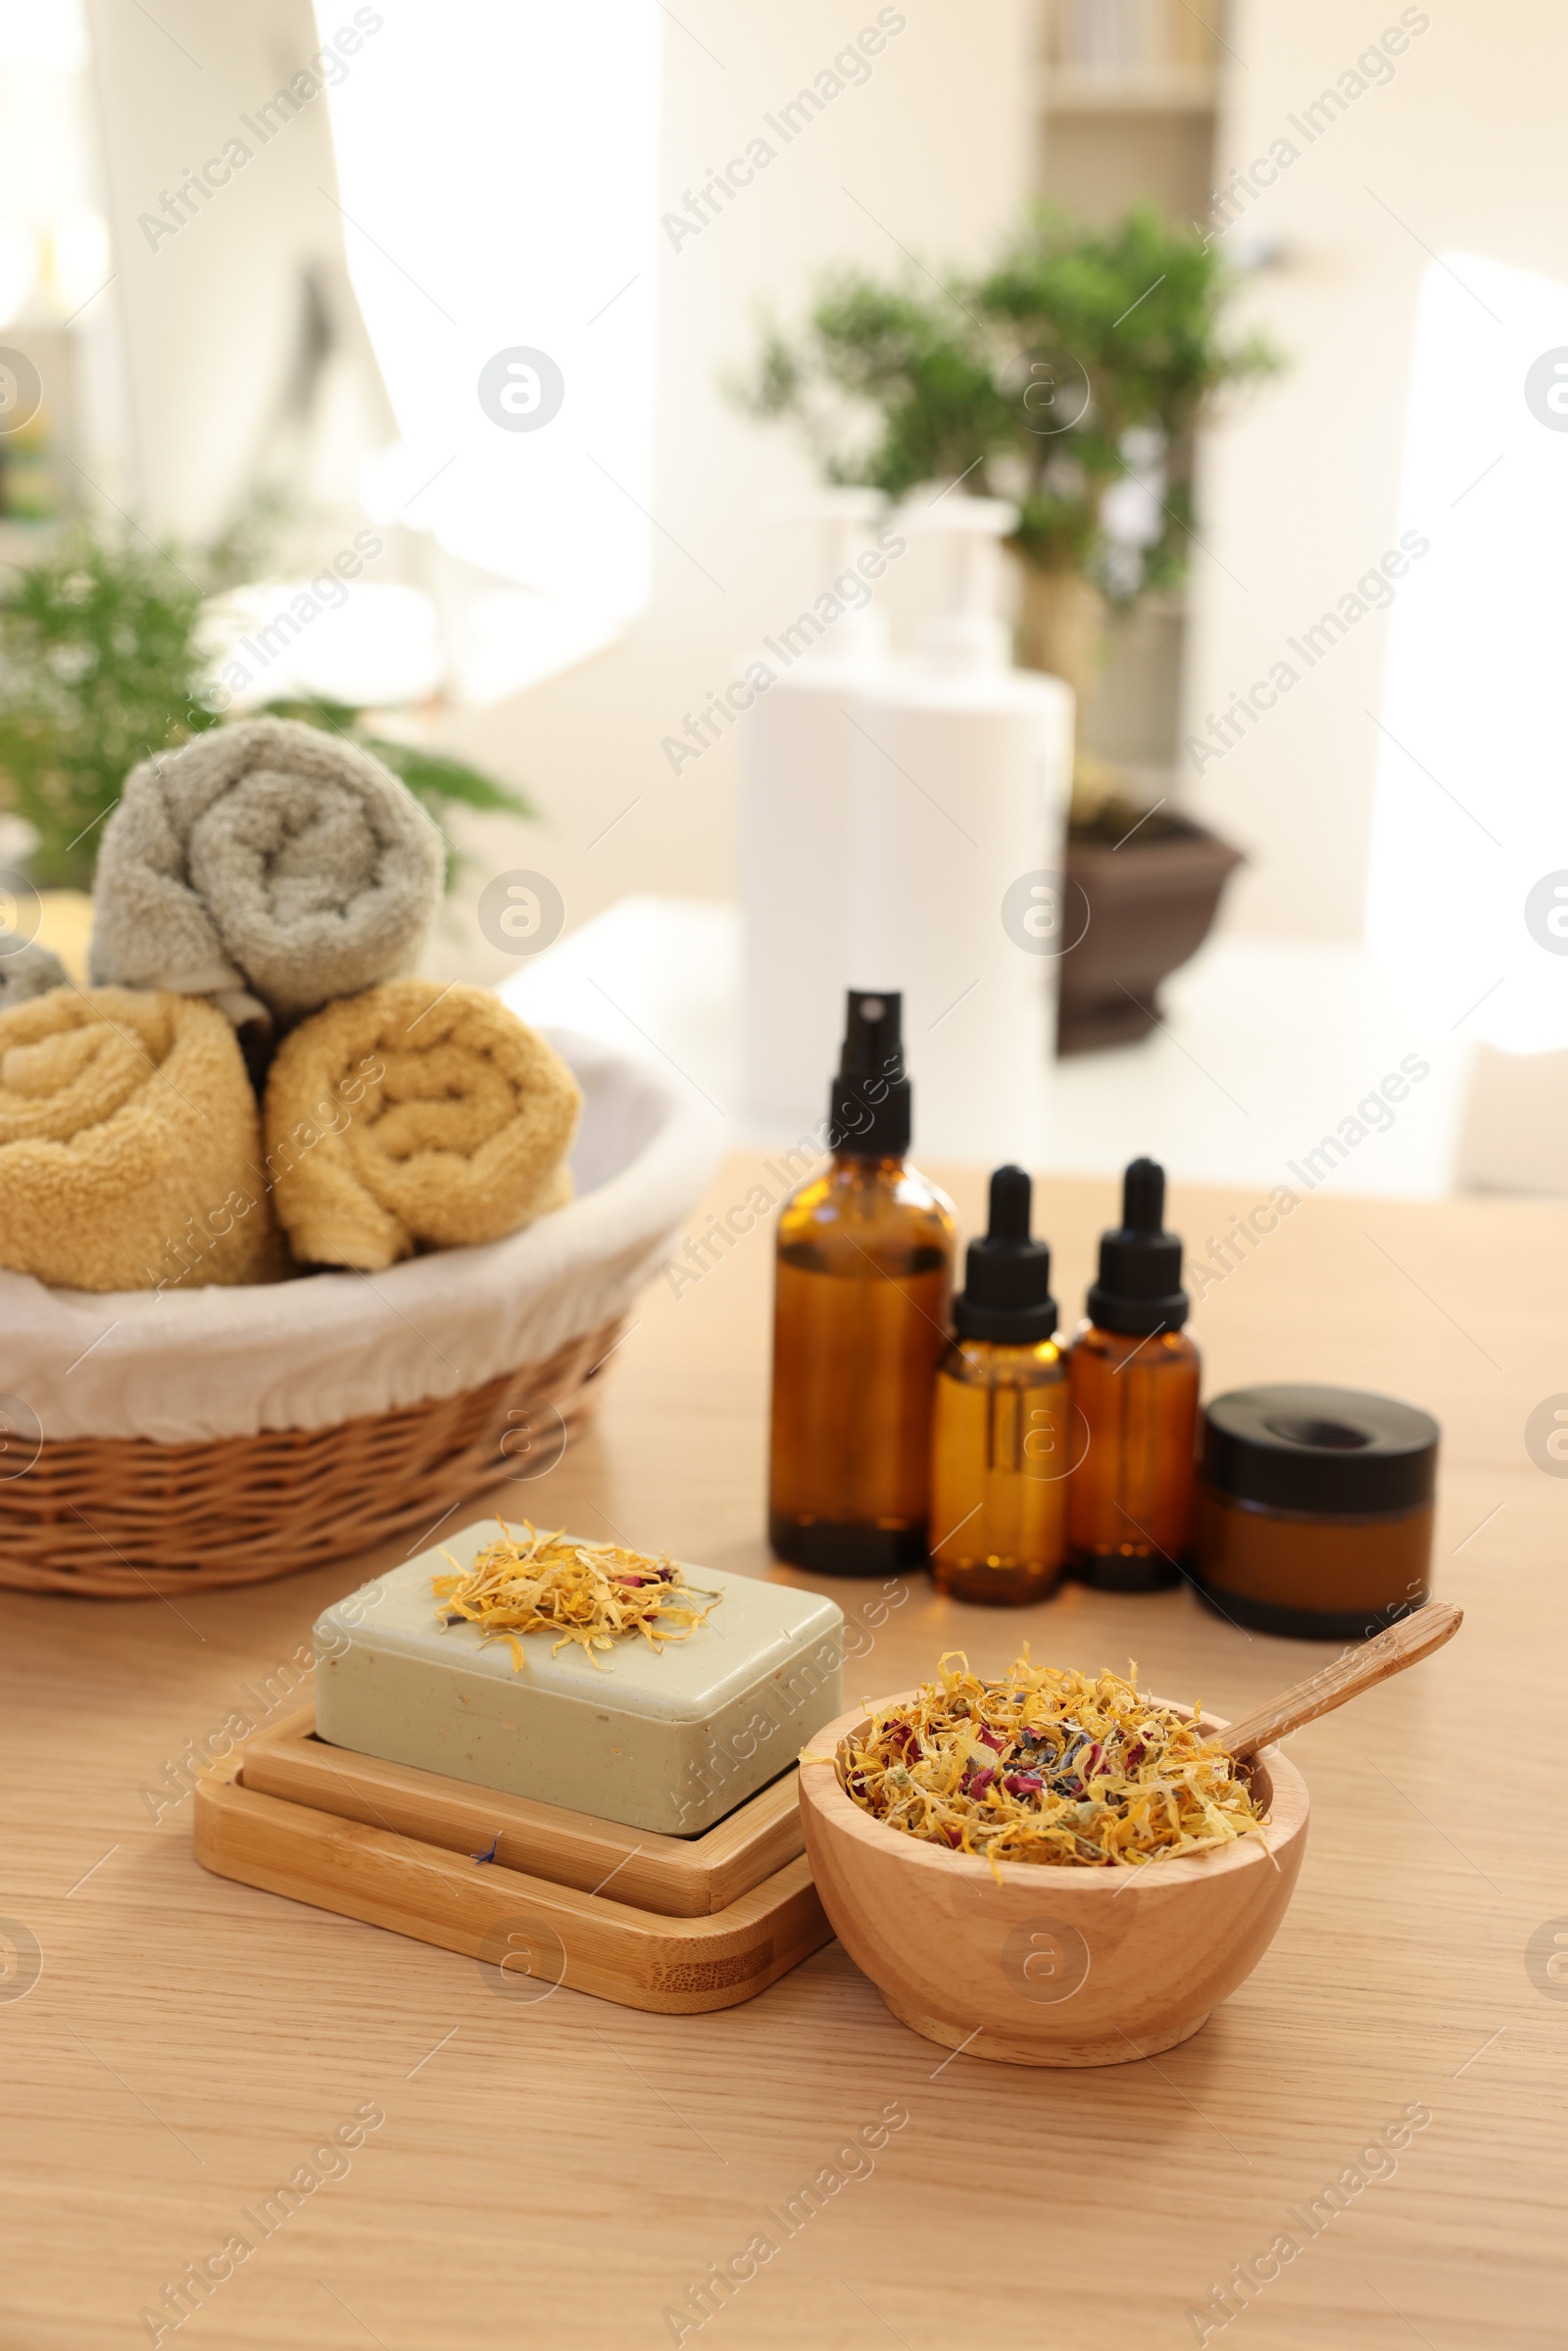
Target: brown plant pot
point(1150, 906)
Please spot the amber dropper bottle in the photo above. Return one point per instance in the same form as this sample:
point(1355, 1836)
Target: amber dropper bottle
point(1000, 1440)
point(1134, 1379)
point(863, 1273)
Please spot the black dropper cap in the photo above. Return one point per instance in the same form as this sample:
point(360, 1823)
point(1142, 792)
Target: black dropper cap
point(1007, 1292)
point(1140, 1286)
point(869, 1106)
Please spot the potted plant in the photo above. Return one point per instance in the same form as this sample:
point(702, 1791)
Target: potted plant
point(1068, 378)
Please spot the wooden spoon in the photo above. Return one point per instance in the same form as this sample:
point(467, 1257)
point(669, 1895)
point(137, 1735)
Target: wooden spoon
point(1414, 1637)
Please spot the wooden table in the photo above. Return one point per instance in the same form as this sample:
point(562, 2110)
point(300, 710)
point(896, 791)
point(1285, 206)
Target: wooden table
point(560, 2174)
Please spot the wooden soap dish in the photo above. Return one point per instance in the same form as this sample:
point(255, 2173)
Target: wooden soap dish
point(345, 1850)
point(680, 1877)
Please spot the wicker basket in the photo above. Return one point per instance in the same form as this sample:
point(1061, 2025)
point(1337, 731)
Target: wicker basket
point(231, 1436)
point(122, 1518)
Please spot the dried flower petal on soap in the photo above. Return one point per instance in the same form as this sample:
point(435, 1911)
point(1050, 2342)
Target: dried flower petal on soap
point(591, 1593)
point(1110, 1780)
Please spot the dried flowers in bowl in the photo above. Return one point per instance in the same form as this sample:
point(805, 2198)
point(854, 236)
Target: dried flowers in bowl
point(1028, 1925)
point(1047, 1765)
point(593, 1594)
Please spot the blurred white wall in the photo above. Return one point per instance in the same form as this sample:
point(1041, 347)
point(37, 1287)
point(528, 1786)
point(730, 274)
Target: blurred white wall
point(928, 150)
point(1462, 149)
point(208, 287)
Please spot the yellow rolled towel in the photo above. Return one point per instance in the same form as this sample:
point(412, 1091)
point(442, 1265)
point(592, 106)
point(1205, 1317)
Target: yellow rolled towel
point(129, 1146)
point(414, 1116)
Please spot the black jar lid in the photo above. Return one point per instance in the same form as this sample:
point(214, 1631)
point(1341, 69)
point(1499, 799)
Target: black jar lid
point(1334, 1450)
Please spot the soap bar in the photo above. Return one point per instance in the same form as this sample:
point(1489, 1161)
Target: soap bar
point(669, 1740)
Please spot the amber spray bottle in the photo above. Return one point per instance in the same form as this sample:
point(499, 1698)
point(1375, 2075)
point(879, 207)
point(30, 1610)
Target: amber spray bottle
point(863, 1278)
point(1134, 1379)
point(1000, 1440)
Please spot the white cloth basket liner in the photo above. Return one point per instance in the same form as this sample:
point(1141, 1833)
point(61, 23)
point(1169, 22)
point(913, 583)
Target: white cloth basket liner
point(188, 1366)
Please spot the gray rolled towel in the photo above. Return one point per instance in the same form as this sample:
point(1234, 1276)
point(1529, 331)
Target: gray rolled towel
point(27, 970)
point(267, 859)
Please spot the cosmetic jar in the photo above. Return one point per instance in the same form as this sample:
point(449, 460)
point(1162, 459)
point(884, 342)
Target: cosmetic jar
point(1313, 1510)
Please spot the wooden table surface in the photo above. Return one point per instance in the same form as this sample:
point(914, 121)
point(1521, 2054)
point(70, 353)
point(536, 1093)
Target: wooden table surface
point(559, 2174)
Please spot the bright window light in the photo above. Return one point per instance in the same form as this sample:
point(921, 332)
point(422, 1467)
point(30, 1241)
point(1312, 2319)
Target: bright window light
point(497, 172)
point(54, 247)
point(375, 644)
point(1470, 844)
point(51, 34)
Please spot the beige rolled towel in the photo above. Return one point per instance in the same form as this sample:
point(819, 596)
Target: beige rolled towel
point(129, 1146)
point(414, 1116)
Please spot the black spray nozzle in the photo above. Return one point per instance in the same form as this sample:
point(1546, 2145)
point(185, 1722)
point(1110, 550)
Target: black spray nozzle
point(1140, 1286)
point(1007, 1292)
point(869, 1100)
point(874, 1035)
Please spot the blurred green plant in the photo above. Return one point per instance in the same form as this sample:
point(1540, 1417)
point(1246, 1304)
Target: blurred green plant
point(1031, 382)
point(97, 668)
point(103, 660)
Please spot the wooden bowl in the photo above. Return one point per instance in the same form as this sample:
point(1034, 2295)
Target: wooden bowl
point(1049, 1965)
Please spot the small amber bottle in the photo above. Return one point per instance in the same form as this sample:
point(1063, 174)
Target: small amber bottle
point(1133, 1376)
point(1000, 1436)
point(863, 1275)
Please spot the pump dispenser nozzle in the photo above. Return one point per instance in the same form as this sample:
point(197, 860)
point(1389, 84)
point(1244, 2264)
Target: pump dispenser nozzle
point(968, 637)
point(1140, 1286)
point(845, 519)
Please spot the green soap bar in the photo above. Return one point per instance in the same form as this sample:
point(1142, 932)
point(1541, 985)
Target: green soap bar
point(669, 1740)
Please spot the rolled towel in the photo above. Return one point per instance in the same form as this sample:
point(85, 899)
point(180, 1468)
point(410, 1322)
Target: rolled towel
point(414, 1116)
point(27, 970)
point(129, 1146)
point(263, 860)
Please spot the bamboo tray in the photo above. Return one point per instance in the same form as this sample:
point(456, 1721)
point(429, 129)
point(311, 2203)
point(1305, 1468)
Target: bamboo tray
point(679, 1877)
point(530, 1936)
